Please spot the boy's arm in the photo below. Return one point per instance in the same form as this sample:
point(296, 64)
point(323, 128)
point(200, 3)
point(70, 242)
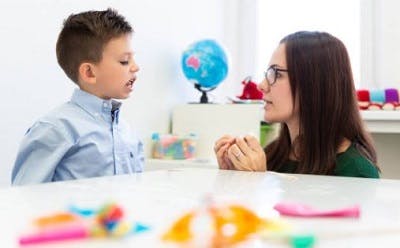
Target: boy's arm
point(41, 150)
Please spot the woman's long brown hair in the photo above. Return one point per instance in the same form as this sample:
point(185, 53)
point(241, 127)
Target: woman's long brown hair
point(321, 78)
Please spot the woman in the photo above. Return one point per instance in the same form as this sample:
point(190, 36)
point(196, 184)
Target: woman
point(309, 89)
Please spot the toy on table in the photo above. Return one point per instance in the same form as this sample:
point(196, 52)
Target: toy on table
point(387, 99)
point(250, 90)
point(302, 210)
point(169, 146)
point(219, 226)
point(106, 222)
point(230, 225)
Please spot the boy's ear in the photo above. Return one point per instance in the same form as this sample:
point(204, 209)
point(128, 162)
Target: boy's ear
point(86, 73)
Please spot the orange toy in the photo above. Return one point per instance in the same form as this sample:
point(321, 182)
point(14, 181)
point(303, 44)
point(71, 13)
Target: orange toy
point(60, 218)
point(242, 223)
point(230, 225)
point(180, 230)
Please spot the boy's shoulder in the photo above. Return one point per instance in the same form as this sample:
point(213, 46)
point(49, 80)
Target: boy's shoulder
point(60, 113)
point(65, 118)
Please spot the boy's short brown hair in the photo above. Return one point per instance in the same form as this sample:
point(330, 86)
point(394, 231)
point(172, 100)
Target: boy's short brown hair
point(83, 37)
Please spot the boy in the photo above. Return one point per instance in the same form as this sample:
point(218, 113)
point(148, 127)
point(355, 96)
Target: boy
point(85, 137)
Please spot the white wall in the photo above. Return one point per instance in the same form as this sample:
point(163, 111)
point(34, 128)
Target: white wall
point(32, 83)
point(387, 42)
point(380, 35)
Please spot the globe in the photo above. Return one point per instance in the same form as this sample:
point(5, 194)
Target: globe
point(205, 64)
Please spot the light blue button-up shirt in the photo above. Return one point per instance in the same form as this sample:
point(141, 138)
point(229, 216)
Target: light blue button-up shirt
point(82, 138)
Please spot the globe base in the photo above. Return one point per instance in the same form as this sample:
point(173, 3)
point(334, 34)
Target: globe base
point(204, 97)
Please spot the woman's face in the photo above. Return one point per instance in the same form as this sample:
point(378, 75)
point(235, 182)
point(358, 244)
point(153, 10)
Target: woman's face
point(276, 89)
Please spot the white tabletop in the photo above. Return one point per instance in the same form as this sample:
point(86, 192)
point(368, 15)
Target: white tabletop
point(157, 198)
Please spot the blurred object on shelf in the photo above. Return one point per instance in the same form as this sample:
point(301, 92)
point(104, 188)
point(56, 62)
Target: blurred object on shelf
point(387, 99)
point(170, 146)
point(250, 90)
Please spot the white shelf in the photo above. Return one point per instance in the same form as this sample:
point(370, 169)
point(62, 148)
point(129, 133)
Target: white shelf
point(382, 121)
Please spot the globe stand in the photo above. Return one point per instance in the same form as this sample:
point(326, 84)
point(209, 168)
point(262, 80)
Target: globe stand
point(204, 97)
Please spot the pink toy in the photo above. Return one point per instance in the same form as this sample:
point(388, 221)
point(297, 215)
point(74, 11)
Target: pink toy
point(51, 235)
point(301, 210)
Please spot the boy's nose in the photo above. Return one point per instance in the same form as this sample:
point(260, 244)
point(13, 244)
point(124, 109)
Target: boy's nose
point(135, 67)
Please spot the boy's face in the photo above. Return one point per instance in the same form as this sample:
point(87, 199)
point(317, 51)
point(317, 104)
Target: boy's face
point(116, 72)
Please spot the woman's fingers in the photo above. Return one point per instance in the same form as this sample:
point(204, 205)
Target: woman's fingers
point(243, 146)
point(228, 163)
point(221, 154)
point(243, 153)
point(237, 157)
point(226, 139)
point(253, 143)
point(252, 161)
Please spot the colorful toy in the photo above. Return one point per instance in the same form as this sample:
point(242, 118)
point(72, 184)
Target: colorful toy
point(387, 99)
point(250, 90)
point(231, 225)
point(169, 146)
point(82, 224)
point(225, 226)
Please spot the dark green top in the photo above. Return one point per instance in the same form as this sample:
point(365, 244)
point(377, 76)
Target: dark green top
point(348, 164)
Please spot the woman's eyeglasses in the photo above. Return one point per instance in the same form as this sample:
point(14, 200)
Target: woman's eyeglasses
point(273, 73)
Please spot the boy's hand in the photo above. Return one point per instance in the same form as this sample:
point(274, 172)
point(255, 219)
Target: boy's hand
point(221, 151)
point(247, 154)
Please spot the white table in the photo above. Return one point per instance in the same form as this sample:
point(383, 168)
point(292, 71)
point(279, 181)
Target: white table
point(159, 197)
point(163, 164)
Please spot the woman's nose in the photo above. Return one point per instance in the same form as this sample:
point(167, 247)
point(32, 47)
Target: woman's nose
point(263, 86)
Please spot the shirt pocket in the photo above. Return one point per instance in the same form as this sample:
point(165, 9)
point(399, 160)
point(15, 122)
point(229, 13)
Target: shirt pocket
point(133, 155)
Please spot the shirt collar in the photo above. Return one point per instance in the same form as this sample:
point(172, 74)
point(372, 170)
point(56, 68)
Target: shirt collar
point(93, 104)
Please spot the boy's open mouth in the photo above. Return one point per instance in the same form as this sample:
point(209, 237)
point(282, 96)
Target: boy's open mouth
point(130, 82)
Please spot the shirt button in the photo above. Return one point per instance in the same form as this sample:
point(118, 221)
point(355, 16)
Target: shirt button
point(105, 104)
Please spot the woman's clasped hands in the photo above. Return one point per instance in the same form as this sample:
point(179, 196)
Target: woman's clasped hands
point(240, 153)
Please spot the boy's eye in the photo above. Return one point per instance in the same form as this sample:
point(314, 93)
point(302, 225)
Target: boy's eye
point(124, 62)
